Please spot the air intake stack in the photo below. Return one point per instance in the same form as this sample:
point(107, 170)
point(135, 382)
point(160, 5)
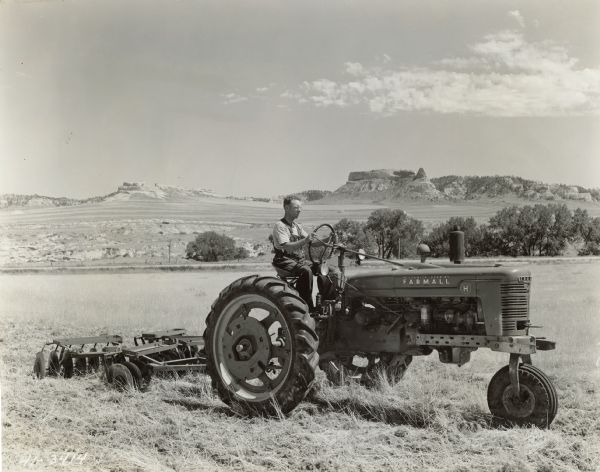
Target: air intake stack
point(457, 245)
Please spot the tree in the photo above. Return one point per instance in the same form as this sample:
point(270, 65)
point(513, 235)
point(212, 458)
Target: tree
point(529, 230)
point(581, 225)
point(395, 232)
point(483, 242)
point(211, 246)
point(354, 235)
point(587, 230)
point(438, 238)
point(559, 231)
point(506, 231)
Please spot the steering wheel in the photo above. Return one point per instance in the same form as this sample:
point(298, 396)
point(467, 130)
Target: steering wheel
point(326, 234)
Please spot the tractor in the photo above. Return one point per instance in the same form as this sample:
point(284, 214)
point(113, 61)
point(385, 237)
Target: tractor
point(263, 346)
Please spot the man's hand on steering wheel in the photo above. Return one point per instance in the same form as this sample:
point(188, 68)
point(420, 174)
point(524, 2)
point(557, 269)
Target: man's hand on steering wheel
point(315, 241)
point(320, 243)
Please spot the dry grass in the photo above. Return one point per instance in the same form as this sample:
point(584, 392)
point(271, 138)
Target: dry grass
point(436, 419)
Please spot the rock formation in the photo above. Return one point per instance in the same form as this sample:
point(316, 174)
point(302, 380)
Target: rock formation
point(370, 175)
point(387, 184)
point(421, 174)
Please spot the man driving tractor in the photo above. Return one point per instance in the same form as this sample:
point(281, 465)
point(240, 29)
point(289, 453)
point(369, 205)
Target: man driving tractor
point(289, 239)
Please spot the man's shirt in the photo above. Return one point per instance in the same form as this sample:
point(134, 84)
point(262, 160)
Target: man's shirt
point(283, 233)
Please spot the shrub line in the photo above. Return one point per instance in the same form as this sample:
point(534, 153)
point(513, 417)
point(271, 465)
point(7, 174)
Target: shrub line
point(248, 266)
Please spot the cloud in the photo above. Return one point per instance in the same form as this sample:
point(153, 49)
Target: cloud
point(266, 88)
point(516, 14)
point(295, 96)
point(503, 75)
point(232, 97)
point(354, 68)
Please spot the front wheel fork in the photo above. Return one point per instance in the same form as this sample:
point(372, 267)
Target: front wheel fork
point(513, 370)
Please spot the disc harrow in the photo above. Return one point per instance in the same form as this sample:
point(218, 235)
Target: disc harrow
point(161, 353)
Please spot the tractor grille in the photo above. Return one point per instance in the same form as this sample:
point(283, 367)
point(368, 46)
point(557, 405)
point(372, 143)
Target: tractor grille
point(515, 307)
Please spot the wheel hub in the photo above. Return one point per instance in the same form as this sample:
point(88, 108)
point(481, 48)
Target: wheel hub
point(244, 349)
point(247, 348)
point(521, 405)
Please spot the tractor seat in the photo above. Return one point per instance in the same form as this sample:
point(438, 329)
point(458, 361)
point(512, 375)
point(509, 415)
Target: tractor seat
point(289, 277)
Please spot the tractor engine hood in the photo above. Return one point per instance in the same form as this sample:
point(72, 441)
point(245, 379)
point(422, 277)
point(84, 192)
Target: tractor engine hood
point(397, 281)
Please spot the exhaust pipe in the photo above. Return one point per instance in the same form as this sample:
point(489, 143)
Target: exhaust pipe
point(457, 246)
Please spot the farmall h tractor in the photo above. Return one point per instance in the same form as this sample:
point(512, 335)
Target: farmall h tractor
point(263, 345)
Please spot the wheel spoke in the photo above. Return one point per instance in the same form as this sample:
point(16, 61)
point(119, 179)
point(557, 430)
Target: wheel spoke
point(244, 311)
point(280, 351)
point(241, 314)
point(273, 367)
point(231, 327)
point(268, 320)
point(228, 332)
point(265, 379)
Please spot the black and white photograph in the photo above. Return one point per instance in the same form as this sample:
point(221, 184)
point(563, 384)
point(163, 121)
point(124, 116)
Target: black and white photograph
point(279, 235)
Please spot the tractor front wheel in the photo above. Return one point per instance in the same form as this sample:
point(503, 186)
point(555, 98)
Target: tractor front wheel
point(261, 346)
point(535, 404)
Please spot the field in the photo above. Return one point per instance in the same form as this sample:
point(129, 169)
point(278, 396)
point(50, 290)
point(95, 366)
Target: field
point(435, 419)
point(142, 231)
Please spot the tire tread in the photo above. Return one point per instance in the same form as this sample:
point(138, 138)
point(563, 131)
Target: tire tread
point(304, 363)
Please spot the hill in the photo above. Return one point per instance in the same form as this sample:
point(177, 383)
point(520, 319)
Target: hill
point(40, 201)
point(142, 223)
point(126, 191)
point(382, 186)
point(388, 185)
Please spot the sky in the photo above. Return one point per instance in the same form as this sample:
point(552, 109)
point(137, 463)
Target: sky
point(266, 98)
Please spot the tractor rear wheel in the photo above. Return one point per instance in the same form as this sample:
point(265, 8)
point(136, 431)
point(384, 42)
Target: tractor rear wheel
point(261, 346)
point(536, 403)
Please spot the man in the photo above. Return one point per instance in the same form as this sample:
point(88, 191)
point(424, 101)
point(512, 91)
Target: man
point(289, 239)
